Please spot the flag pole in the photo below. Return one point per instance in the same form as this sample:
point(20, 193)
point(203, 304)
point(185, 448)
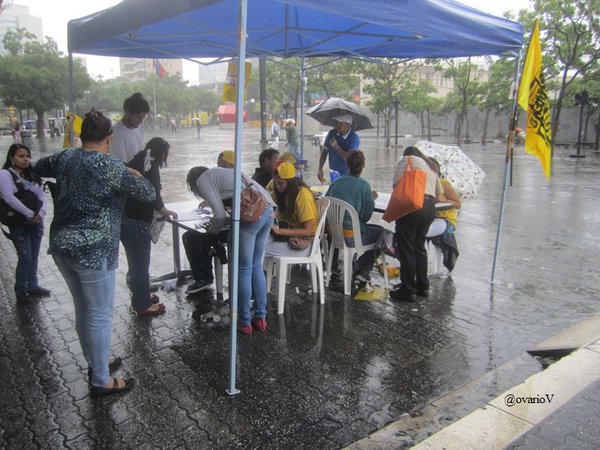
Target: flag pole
point(510, 146)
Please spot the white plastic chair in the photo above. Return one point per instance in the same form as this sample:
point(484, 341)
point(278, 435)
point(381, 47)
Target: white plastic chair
point(279, 265)
point(435, 257)
point(335, 218)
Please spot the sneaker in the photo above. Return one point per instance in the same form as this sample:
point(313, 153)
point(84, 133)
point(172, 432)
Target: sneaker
point(260, 325)
point(363, 277)
point(245, 329)
point(198, 286)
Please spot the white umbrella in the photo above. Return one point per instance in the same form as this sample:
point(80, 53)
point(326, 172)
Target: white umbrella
point(466, 176)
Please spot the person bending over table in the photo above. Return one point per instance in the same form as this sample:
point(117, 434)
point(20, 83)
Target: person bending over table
point(216, 186)
point(411, 230)
point(357, 192)
point(296, 214)
point(338, 142)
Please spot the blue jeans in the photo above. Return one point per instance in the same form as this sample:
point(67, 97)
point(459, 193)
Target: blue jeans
point(135, 237)
point(27, 240)
point(369, 235)
point(252, 282)
point(93, 294)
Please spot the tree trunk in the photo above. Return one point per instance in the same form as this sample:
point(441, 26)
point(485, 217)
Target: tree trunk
point(485, 125)
point(41, 132)
point(428, 125)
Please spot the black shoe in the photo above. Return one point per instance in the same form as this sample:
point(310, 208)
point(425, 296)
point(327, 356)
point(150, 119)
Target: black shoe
point(40, 292)
point(99, 391)
point(198, 286)
point(423, 293)
point(24, 299)
point(402, 296)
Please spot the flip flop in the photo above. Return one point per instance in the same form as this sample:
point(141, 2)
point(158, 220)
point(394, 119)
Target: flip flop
point(153, 312)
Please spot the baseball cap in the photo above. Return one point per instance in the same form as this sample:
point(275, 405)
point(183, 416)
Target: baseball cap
point(347, 118)
point(228, 156)
point(286, 171)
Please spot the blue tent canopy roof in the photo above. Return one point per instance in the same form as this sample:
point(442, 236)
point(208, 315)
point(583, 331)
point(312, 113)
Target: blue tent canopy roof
point(293, 28)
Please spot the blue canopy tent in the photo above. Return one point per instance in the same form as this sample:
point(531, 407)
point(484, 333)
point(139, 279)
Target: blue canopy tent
point(288, 28)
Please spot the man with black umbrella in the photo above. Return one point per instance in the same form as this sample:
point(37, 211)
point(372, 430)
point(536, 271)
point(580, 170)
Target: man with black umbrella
point(338, 143)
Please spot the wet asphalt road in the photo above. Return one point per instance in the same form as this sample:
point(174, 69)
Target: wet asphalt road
point(323, 376)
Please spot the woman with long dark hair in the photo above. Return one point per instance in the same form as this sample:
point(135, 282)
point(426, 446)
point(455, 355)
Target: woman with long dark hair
point(84, 238)
point(297, 214)
point(135, 228)
point(27, 238)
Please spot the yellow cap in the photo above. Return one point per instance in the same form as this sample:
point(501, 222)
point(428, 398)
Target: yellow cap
point(228, 156)
point(288, 157)
point(286, 171)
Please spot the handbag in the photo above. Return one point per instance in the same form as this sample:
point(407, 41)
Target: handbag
point(157, 224)
point(252, 203)
point(386, 243)
point(408, 195)
point(299, 243)
point(12, 218)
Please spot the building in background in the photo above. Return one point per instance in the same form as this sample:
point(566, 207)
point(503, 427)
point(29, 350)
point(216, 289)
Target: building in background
point(136, 69)
point(14, 17)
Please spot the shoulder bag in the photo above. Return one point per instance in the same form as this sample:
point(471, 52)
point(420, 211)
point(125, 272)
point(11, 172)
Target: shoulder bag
point(252, 203)
point(408, 195)
point(12, 218)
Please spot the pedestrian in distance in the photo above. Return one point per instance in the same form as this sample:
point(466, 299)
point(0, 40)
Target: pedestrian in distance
point(135, 228)
point(92, 188)
point(198, 127)
point(17, 174)
point(128, 136)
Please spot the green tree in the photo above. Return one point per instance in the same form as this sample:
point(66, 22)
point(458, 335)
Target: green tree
point(463, 95)
point(35, 76)
point(495, 95)
point(418, 101)
point(386, 81)
point(571, 33)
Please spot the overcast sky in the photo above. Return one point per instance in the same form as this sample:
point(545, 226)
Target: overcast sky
point(55, 16)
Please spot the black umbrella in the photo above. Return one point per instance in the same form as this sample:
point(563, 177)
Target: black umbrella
point(326, 112)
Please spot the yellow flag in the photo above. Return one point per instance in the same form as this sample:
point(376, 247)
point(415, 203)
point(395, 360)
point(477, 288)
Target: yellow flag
point(229, 88)
point(533, 98)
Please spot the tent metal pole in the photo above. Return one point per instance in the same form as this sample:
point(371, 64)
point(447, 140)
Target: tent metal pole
point(303, 81)
point(71, 100)
point(510, 145)
point(237, 180)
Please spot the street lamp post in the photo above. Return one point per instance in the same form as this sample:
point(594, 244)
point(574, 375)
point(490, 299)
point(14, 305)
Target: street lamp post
point(580, 99)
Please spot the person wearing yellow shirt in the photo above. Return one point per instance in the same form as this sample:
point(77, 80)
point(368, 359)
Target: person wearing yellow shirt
point(296, 215)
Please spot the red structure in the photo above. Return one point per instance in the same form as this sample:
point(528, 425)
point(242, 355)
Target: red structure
point(226, 114)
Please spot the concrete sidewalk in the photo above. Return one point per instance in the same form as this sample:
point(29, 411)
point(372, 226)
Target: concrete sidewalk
point(325, 376)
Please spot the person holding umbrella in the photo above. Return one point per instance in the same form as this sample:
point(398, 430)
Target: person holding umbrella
point(338, 143)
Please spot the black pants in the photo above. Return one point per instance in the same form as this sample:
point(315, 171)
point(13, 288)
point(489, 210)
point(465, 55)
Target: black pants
point(411, 233)
point(199, 250)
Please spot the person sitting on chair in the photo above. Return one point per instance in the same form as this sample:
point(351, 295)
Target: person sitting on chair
point(446, 241)
point(297, 214)
point(267, 159)
point(357, 192)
